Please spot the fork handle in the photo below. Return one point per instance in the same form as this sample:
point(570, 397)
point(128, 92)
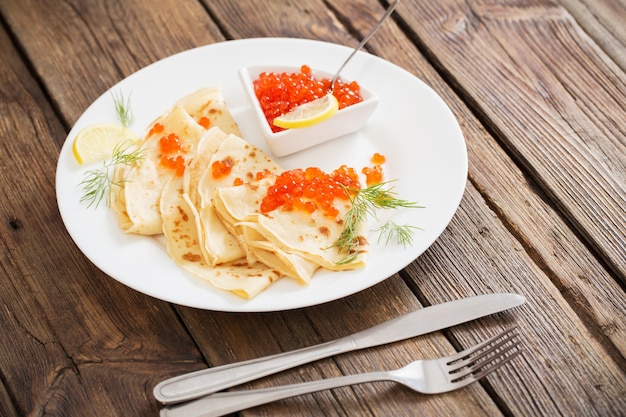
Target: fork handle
point(222, 403)
point(206, 381)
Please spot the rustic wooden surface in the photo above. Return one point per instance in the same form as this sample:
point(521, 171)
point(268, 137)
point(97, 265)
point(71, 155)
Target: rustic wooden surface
point(539, 90)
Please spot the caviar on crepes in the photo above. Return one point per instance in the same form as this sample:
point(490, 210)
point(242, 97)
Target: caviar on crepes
point(156, 128)
point(310, 189)
point(279, 93)
point(171, 150)
point(222, 168)
point(374, 175)
point(205, 122)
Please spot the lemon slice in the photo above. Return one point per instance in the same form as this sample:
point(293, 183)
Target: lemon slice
point(309, 114)
point(97, 142)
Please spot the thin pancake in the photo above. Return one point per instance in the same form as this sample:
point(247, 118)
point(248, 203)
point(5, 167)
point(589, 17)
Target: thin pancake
point(141, 184)
point(243, 161)
point(294, 242)
point(180, 231)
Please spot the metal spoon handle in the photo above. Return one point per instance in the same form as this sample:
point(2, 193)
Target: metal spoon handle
point(390, 9)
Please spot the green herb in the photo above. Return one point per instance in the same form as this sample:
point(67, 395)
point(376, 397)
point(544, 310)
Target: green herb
point(365, 202)
point(97, 183)
point(402, 234)
point(123, 109)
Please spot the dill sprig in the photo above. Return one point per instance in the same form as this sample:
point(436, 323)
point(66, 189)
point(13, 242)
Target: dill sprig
point(402, 234)
point(365, 202)
point(123, 109)
point(97, 183)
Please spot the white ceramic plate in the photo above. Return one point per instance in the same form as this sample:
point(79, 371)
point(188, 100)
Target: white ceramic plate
point(412, 127)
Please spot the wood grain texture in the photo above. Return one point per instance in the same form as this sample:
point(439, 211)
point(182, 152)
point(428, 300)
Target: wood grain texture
point(604, 22)
point(530, 73)
point(89, 45)
point(553, 335)
point(62, 314)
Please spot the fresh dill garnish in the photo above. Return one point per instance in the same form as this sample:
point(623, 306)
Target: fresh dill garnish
point(402, 234)
point(96, 183)
point(365, 202)
point(122, 109)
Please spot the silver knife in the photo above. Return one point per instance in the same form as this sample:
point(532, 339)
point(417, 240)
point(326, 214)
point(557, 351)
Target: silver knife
point(206, 381)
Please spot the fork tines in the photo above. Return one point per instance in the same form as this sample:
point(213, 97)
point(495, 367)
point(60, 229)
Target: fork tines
point(484, 358)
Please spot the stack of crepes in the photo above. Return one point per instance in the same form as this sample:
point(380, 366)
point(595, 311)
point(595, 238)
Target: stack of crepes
point(212, 223)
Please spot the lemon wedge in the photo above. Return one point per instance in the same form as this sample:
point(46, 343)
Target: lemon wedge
point(97, 142)
point(309, 114)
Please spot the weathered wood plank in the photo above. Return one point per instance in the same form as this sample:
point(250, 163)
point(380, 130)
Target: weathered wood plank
point(30, 354)
point(529, 215)
point(479, 255)
point(604, 22)
point(551, 97)
point(82, 48)
point(69, 328)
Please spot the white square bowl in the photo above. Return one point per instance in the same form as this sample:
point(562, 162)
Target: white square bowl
point(347, 120)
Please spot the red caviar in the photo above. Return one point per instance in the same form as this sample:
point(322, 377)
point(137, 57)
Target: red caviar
point(205, 122)
point(177, 163)
point(378, 159)
point(170, 144)
point(222, 168)
point(310, 189)
point(373, 175)
point(171, 148)
point(278, 93)
point(263, 174)
point(157, 128)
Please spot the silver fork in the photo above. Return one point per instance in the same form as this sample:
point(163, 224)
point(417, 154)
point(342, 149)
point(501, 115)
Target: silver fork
point(431, 376)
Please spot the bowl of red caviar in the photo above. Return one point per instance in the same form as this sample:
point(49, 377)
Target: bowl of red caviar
point(275, 90)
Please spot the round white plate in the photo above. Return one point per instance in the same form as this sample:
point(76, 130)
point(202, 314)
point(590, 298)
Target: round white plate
point(412, 127)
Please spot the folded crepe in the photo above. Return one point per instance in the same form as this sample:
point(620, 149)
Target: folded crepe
point(242, 162)
point(210, 212)
point(180, 229)
point(294, 242)
point(135, 198)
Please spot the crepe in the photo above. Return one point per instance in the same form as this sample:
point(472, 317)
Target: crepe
point(195, 237)
point(218, 244)
point(179, 227)
point(135, 198)
point(200, 185)
point(294, 242)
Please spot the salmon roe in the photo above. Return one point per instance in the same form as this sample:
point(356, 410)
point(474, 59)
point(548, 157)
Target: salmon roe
point(176, 163)
point(205, 122)
point(374, 175)
point(310, 189)
point(156, 128)
point(171, 150)
point(279, 93)
point(378, 159)
point(222, 168)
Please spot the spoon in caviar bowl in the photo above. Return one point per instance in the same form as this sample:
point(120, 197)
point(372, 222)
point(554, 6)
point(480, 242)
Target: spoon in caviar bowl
point(388, 12)
point(323, 108)
point(301, 125)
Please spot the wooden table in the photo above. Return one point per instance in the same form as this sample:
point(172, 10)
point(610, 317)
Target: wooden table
point(539, 89)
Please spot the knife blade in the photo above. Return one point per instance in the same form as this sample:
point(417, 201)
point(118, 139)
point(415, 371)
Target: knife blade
point(437, 317)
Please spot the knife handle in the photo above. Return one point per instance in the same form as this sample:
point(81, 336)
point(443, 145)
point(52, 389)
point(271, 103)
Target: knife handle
point(206, 381)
